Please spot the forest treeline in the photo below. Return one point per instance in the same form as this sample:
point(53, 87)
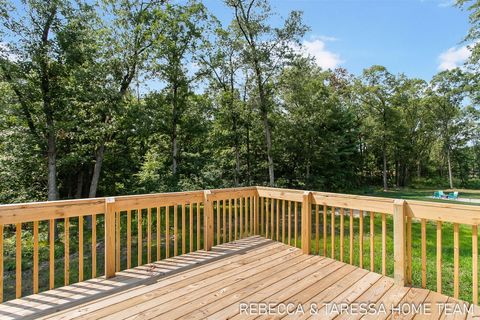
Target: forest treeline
point(120, 97)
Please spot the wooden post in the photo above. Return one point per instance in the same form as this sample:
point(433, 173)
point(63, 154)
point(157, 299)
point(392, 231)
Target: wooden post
point(399, 242)
point(109, 237)
point(255, 213)
point(208, 220)
point(306, 222)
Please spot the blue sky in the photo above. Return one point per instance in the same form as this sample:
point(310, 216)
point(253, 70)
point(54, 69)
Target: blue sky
point(416, 37)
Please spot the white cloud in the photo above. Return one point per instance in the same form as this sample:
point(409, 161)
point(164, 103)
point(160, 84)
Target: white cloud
point(446, 3)
point(316, 48)
point(453, 58)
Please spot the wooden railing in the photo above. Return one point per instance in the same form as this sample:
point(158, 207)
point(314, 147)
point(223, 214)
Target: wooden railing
point(74, 240)
point(376, 233)
point(116, 233)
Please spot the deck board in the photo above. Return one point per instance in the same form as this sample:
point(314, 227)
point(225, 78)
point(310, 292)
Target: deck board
point(211, 285)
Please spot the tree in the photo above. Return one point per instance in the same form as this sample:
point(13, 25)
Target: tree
point(317, 130)
point(266, 51)
point(222, 62)
point(376, 88)
point(184, 26)
point(445, 98)
point(40, 69)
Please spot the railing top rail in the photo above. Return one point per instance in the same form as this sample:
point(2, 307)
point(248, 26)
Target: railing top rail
point(36, 211)
point(445, 212)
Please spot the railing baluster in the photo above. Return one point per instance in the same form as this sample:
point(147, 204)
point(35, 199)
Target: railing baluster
point(139, 238)
point(439, 256)
point(317, 230)
point(295, 230)
point(230, 209)
point(175, 230)
point(247, 216)
point(35, 256)
point(18, 258)
point(384, 244)
point(475, 264)
point(289, 223)
point(235, 218)
point(224, 218)
point(341, 234)
point(272, 218)
point(1, 262)
point(267, 223)
point(283, 221)
point(190, 218)
point(184, 230)
point(241, 216)
point(80, 248)
point(324, 230)
point(199, 228)
point(51, 231)
point(67, 252)
point(332, 231)
point(424, 252)
point(360, 239)
point(372, 241)
point(149, 235)
point(456, 262)
point(351, 236)
point(399, 242)
point(129, 239)
point(167, 232)
point(159, 235)
point(218, 222)
point(117, 240)
point(408, 264)
point(94, 245)
point(109, 216)
point(278, 220)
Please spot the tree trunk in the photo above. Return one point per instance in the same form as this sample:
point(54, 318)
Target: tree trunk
point(99, 156)
point(174, 131)
point(450, 175)
point(266, 125)
point(79, 189)
point(384, 152)
point(52, 166)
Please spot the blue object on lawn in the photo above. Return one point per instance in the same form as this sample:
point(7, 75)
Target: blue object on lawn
point(453, 195)
point(438, 194)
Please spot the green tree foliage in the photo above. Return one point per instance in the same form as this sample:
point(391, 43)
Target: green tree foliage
point(135, 96)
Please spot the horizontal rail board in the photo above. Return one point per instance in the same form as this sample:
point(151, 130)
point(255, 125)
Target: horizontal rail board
point(444, 212)
point(282, 194)
point(158, 199)
point(354, 202)
point(37, 211)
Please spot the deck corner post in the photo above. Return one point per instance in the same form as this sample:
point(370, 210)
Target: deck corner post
point(306, 222)
point(256, 218)
point(109, 237)
point(399, 243)
point(208, 220)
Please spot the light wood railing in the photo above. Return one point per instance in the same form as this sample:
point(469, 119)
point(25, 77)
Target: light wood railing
point(118, 233)
point(74, 240)
point(376, 233)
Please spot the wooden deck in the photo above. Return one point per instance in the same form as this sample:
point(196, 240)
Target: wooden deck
point(216, 284)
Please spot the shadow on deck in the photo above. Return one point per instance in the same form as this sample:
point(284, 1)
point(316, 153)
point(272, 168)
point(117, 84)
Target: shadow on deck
point(229, 282)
